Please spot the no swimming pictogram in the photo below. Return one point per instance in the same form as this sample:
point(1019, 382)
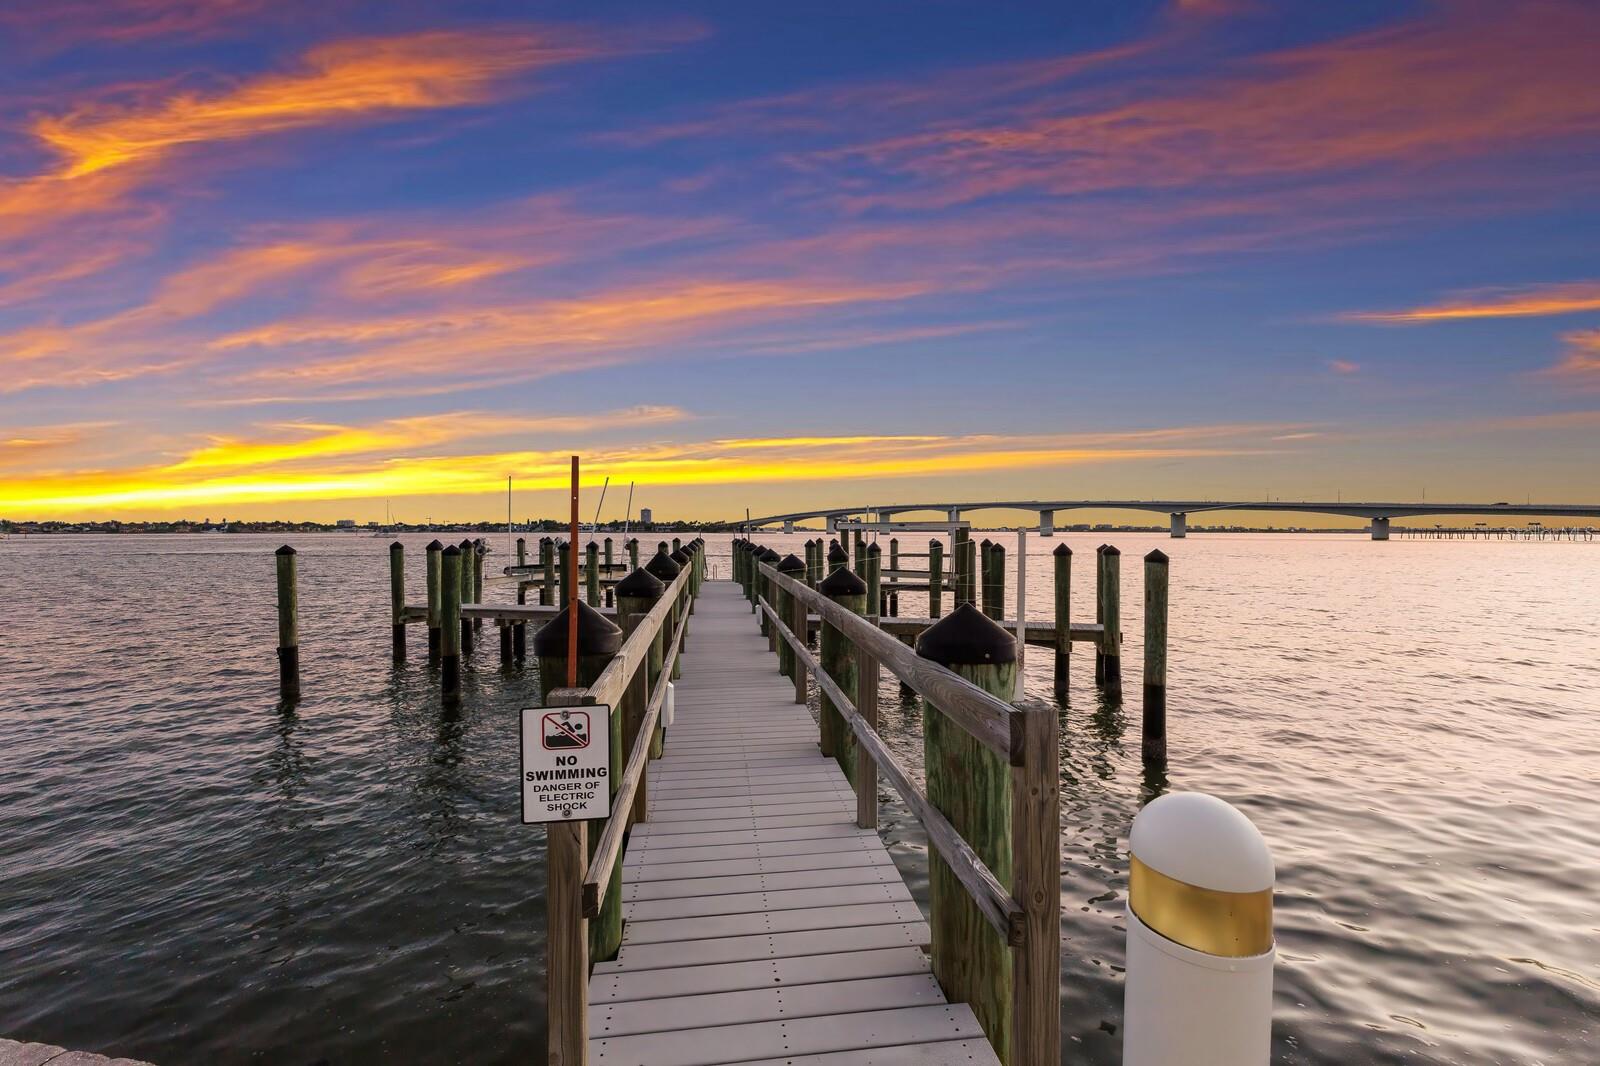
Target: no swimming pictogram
point(566, 730)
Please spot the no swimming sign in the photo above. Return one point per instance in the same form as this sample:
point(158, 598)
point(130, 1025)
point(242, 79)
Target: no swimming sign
point(566, 758)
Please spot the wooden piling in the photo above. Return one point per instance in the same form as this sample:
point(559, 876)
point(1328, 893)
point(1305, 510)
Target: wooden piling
point(451, 631)
point(547, 560)
point(996, 600)
point(397, 600)
point(1100, 612)
point(465, 587)
point(1063, 619)
point(288, 623)
point(894, 569)
point(935, 577)
point(598, 643)
point(479, 550)
point(633, 553)
point(434, 551)
point(1111, 636)
point(874, 570)
point(838, 660)
point(564, 565)
point(591, 576)
point(1153, 746)
point(609, 561)
point(519, 632)
point(971, 786)
point(985, 577)
point(522, 551)
point(837, 560)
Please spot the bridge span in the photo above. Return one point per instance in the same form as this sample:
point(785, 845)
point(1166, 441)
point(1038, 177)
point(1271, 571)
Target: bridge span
point(1378, 514)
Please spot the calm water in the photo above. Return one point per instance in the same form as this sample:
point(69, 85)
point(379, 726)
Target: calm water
point(192, 873)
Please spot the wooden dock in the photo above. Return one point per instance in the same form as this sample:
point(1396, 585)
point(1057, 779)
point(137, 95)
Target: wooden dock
point(761, 925)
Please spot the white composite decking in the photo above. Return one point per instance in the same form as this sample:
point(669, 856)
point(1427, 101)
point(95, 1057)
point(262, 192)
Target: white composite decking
point(761, 926)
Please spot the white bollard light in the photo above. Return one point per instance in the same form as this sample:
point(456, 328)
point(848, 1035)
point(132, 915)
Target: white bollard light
point(668, 706)
point(1198, 989)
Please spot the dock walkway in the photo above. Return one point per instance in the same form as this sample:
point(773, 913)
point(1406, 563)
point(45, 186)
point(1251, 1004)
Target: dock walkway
point(761, 925)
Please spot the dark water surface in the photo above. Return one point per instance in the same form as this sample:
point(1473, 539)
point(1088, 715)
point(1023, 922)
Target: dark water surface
point(191, 873)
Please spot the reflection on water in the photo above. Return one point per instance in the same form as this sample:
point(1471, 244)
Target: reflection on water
point(195, 872)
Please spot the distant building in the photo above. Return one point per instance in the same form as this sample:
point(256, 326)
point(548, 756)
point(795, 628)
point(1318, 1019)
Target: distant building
point(345, 523)
point(645, 517)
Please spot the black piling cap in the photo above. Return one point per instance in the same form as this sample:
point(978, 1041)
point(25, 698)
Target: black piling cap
point(986, 543)
point(680, 557)
point(453, 550)
point(663, 567)
point(1109, 550)
point(1156, 556)
point(466, 545)
point(435, 546)
point(1062, 549)
point(641, 584)
point(597, 634)
point(769, 556)
point(546, 540)
point(873, 549)
point(967, 637)
point(836, 555)
point(791, 564)
point(285, 550)
point(842, 582)
point(397, 547)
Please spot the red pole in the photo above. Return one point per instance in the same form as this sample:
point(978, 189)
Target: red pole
point(572, 602)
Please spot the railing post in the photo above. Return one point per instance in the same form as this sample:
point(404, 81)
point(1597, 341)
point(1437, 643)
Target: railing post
point(598, 643)
point(791, 567)
point(766, 588)
point(435, 553)
point(800, 625)
point(288, 623)
point(971, 786)
point(1036, 886)
point(866, 775)
point(838, 660)
point(397, 599)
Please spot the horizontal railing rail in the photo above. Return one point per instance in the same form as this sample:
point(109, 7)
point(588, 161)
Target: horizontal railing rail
point(993, 899)
point(609, 846)
point(990, 720)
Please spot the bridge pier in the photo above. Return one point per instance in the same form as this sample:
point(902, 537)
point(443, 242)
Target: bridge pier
point(1380, 529)
point(1047, 523)
point(953, 514)
point(830, 523)
point(1180, 525)
point(788, 525)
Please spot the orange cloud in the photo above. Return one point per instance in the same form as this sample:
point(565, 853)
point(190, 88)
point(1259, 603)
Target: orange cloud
point(1533, 300)
point(342, 462)
point(1427, 92)
point(338, 81)
point(1343, 366)
point(1581, 363)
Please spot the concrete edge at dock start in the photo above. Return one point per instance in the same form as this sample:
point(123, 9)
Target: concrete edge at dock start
point(566, 763)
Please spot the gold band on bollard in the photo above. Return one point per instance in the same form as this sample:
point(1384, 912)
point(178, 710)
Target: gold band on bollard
point(1228, 924)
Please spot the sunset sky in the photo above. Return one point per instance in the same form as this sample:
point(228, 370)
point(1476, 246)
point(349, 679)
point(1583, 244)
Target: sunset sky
point(274, 258)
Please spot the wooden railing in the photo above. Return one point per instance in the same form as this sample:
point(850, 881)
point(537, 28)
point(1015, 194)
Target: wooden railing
point(579, 882)
point(1027, 914)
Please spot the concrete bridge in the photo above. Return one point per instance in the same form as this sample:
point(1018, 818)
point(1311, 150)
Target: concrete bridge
point(1377, 514)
